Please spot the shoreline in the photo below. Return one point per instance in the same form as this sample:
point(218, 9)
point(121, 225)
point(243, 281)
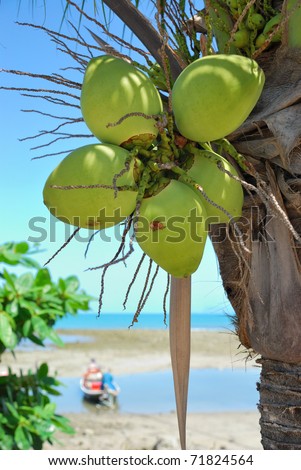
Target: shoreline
point(131, 351)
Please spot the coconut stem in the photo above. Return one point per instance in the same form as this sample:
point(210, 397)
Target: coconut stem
point(179, 336)
point(293, 9)
point(222, 24)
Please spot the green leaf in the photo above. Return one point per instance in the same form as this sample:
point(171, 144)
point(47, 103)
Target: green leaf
point(54, 313)
point(42, 371)
point(27, 328)
point(54, 337)
point(71, 306)
point(62, 423)
point(6, 441)
point(72, 284)
point(30, 263)
point(28, 409)
point(3, 420)
point(31, 306)
point(21, 247)
point(62, 285)
point(42, 277)
point(21, 438)
point(49, 410)
point(10, 279)
point(35, 340)
point(13, 308)
point(7, 335)
point(44, 429)
point(38, 411)
point(52, 391)
point(9, 257)
point(24, 282)
point(52, 298)
point(51, 381)
point(13, 411)
point(13, 254)
point(40, 327)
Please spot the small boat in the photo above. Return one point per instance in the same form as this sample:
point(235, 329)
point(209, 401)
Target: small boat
point(99, 387)
point(92, 390)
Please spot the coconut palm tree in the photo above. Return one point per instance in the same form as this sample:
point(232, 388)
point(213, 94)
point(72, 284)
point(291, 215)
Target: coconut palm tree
point(263, 285)
point(261, 270)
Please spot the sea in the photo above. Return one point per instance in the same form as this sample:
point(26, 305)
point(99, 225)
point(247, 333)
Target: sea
point(155, 321)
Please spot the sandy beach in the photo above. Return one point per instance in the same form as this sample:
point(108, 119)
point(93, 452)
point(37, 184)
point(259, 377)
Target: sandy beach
point(133, 351)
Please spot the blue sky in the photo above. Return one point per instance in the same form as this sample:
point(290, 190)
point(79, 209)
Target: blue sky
point(22, 179)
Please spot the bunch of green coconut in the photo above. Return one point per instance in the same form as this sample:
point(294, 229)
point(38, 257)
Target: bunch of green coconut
point(158, 168)
point(256, 26)
point(243, 26)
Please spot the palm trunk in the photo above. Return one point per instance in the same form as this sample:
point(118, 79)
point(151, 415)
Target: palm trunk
point(264, 285)
point(280, 405)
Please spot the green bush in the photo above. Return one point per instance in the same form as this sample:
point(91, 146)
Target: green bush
point(30, 305)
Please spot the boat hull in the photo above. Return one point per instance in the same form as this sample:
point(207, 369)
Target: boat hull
point(92, 394)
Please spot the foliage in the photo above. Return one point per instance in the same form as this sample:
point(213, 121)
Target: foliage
point(27, 417)
point(16, 254)
point(30, 305)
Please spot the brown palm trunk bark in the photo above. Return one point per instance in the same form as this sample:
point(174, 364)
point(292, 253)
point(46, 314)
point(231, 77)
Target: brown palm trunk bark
point(264, 285)
point(280, 405)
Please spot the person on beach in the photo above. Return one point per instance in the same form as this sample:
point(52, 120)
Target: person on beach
point(110, 386)
point(93, 366)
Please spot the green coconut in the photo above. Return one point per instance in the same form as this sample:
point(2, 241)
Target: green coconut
point(214, 95)
point(255, 21)
point(241, 38)
point(94, 208)
point(171, 229)
point(112, 89)
point(218, 186)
